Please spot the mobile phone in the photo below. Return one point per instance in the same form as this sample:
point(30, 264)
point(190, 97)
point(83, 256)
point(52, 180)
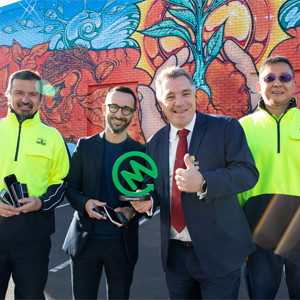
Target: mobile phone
point(25, 190)
point(117, 218)
point(9, 181)
point(5, 198)
point(17, 190)
point(99, 211)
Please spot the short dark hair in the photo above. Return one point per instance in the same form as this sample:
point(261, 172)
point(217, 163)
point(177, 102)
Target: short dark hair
point(25, 75)
point(172, 73)
point(275, 60)
point(126, 90)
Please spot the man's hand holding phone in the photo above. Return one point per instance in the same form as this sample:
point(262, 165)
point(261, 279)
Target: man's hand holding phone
point(29, 204)
point(7, 210)
point(94, 209)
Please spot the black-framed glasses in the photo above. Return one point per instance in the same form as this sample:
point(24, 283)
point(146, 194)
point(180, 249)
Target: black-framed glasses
point(114, 108)
point(282, 78)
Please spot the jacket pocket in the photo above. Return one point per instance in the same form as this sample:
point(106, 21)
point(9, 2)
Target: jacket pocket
point(34, 151)
point(295, 135)
point(40, 159)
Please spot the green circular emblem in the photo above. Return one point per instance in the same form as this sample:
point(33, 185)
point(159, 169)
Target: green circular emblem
point(136, 175)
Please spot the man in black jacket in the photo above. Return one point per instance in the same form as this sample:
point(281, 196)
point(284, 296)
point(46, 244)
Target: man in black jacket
point(93, 241)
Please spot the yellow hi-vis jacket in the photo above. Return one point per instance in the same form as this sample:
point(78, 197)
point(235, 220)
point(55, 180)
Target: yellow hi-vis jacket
point(36, 153)
point(275, 146)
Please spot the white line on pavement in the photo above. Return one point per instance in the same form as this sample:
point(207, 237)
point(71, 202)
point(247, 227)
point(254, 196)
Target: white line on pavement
point(60, 266)
point(66, 263)
point(59, 206)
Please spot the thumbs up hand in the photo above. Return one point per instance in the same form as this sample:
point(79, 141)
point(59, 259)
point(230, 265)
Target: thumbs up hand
point(190, 179)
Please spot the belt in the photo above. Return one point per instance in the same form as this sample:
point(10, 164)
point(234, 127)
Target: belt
point(188, 244)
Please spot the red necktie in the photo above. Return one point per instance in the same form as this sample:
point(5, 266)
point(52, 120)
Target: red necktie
point(177, 216)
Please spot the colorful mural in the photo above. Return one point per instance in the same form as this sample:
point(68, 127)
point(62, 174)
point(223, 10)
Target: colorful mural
point(83, 48)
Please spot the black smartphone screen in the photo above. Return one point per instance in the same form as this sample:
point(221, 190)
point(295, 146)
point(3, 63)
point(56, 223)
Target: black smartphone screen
point(116, 217)
point(9, 181)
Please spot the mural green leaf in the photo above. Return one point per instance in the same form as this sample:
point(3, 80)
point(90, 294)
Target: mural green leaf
point(186, 16)
point(27, 23)
point(60, 8)
point(168, 28)
point(183, 3)
point(214, 45)
point(49, 14)
point(49, 29)
point(289, 14)
point(9, 29)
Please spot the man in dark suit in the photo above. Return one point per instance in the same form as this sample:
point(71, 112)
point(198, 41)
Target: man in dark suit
point(93, 241)
point(205, 236)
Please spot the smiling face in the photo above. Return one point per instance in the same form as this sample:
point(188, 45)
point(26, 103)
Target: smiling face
point(178, 101)
point(117, 122)
point(276, 94)
point(24, 98)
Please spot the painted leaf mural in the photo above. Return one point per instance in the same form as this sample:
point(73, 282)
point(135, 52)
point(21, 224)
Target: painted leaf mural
point(188, 16)
point(168, 28)
point(84, 48)
point(214, 45)
point(289, 14)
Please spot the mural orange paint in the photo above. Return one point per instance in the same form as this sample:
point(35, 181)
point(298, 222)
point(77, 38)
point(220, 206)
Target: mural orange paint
point(84, 48)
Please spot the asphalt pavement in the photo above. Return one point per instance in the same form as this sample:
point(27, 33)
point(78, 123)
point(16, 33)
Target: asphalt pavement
point(148, 280)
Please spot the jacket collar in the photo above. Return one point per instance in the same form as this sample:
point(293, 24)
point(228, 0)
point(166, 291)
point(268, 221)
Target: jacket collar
point(13, 120)
point(292, 104)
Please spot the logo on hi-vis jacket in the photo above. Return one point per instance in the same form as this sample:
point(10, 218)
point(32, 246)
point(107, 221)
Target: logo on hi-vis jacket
point(41, 141)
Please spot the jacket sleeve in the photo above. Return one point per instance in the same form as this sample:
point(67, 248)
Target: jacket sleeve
point(148, 180)
point(74, 181)
point(57, 177)
point(240, 173)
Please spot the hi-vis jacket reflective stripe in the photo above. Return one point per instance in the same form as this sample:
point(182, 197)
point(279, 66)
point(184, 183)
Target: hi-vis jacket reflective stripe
point(37, 155)
point(275, 145)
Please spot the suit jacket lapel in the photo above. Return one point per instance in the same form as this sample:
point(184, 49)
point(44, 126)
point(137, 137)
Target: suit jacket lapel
point(165, 160)
point(198, 132)
point(99, 153)
point(126, 164)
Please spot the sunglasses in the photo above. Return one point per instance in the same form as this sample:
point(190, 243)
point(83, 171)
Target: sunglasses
point(282, 78)
point(114, 108)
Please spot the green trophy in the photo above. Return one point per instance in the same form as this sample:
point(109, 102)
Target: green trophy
point(137, 176)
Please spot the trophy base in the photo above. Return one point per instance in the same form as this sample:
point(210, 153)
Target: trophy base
point(134, 198)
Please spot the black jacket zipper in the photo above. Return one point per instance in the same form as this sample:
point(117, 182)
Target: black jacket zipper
point(278, 136)
point(18, 143)
point(291, 105)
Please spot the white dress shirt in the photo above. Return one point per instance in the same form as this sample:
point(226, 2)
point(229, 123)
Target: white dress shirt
point(173, 142)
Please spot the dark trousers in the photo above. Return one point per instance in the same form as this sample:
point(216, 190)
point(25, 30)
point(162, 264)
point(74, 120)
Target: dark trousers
point(187, 280)
point(264, 273)
point(86, 269)
point(28, 265)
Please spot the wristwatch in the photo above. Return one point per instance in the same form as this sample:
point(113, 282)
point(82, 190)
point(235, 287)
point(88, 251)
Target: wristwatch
point(203, 190)
point(203, 186)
